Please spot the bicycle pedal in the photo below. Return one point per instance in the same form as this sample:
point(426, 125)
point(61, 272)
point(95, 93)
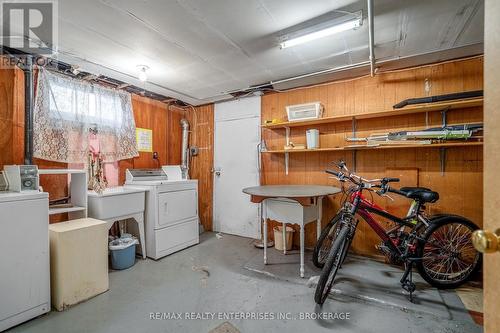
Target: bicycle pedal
point(383, 248)
point(409, 286)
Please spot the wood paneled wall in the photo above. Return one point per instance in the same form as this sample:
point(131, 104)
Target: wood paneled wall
point(11, 116)
point(202, 136)
point(153, 115)
point(460, 187)
point(164, 120)
point(12, 134)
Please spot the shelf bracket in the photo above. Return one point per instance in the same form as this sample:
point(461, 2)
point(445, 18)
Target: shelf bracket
point(354, 129)
point(444, 119)
point(442, 159)
point(286, 163)
point(354, 155)
point(287, 157)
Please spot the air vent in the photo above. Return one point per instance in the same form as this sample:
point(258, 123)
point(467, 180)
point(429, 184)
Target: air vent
point(307, 111)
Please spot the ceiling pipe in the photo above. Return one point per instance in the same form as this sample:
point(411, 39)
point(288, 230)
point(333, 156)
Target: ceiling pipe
point(326, 71)
point(322, 72)
point(371, 38)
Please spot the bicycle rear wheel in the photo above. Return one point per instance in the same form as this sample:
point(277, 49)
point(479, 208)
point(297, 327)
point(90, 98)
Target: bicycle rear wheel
point(448, 256)
point(332, 265)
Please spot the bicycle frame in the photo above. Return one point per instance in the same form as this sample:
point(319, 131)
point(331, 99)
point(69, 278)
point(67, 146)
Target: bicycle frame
point(399, 245)
point(364, 208)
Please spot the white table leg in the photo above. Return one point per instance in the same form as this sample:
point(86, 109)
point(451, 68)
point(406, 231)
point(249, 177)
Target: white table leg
point(320, 216)
point(284, 238)
point(264, 217)
point(301, 250)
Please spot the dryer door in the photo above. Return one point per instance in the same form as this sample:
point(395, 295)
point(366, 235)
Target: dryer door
point(178, 206)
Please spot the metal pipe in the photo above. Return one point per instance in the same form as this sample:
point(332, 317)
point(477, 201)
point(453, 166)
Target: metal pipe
point(365, 63)
point(28, 109)
point(325, 71)
point(371, 38)
point(185, 149)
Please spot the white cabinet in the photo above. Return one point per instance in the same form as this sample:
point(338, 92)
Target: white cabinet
point(78, 261)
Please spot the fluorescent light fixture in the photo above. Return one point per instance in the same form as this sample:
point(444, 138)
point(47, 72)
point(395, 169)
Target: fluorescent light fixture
point(142, 72)
point(348, 25)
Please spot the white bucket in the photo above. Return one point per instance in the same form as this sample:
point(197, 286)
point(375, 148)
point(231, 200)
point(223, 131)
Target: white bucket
point(278, 238)
point(312, 138)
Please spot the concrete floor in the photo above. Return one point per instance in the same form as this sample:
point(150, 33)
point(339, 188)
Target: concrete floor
point(216, 277)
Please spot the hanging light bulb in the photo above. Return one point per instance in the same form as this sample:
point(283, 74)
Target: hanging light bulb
point(143, 76)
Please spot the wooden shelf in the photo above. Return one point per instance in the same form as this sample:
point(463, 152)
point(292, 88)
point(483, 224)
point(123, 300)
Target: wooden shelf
point(428, 107)
point(350, 148)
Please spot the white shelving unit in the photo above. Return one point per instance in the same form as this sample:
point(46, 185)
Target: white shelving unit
point(77, 192)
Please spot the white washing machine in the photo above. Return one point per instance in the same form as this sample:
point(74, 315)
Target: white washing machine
point(171, 213)
point(24, 257)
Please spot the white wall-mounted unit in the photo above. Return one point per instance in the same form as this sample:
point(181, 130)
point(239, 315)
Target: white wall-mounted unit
point(24, 257)
point(300, 112)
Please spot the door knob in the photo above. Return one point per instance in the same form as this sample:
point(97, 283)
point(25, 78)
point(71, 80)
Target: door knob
point(486, 241)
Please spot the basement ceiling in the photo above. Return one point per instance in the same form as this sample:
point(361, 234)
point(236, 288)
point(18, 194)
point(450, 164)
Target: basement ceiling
point(198, 51)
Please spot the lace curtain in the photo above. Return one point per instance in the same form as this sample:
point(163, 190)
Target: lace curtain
point(67, 110)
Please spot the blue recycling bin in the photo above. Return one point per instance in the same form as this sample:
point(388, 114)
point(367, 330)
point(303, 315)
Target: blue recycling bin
point(122, 253)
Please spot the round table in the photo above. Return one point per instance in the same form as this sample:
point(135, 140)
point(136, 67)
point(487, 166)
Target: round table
point(294, 204)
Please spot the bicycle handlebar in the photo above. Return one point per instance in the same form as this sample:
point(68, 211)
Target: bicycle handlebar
point(335, 173)
point(367, 183)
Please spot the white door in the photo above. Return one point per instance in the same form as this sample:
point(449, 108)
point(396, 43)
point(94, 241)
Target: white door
point(237, 134)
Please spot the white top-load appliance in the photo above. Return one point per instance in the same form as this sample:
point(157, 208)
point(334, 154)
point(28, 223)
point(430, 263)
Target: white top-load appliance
point(171, 212)
point(24, 257)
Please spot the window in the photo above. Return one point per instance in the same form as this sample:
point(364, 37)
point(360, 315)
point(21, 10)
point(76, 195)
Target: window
point(65, 111)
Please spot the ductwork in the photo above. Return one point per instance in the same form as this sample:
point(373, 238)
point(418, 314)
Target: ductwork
point(371, 42)
point(28, 109)
point(185, 149)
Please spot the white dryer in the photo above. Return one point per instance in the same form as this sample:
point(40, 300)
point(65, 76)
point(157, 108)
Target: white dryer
point(171, 212)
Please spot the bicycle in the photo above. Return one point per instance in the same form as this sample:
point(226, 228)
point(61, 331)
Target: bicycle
point(439, 246)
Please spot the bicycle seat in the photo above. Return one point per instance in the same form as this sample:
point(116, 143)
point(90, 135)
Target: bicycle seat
point(422, 194)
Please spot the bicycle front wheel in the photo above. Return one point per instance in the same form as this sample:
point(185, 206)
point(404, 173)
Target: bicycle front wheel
point(332, 265)
point(325, 241)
